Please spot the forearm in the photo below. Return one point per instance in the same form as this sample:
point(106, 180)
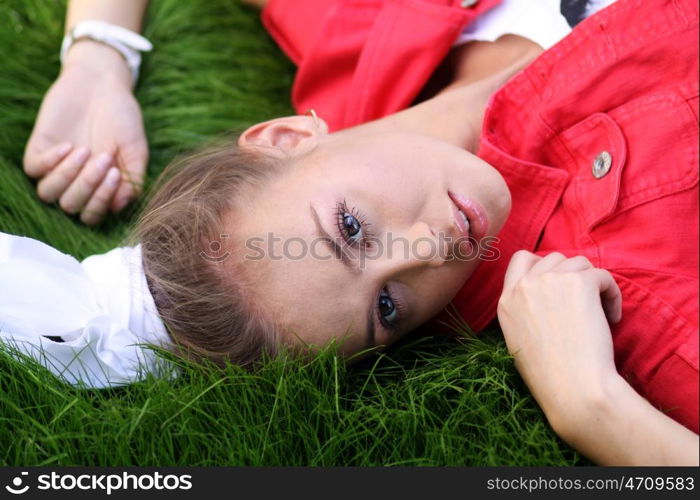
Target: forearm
point(125, 13)
point(475, 61)
point(623, 428)
point(97, 57)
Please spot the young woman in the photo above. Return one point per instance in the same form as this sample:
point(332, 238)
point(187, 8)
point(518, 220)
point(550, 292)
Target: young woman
point(568, 167)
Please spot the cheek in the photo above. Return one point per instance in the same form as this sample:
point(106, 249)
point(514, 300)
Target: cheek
point(402, 172)
point(440, 287)
point(448, 286)
point(397, 201)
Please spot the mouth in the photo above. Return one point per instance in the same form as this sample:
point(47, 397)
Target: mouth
point(470, 217)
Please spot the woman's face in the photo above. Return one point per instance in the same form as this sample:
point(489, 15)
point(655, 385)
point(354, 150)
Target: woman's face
point(361, 239)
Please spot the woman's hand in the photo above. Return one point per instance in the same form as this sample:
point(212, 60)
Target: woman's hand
point(554, 312)
point(88, 146)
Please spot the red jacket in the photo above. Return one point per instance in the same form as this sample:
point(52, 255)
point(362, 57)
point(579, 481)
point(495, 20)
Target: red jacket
point(363, 59)
point(624, 83)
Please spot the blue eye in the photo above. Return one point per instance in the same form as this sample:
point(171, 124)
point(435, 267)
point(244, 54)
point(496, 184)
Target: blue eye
point(351, 224)
point(387, 307)
point(351, 227)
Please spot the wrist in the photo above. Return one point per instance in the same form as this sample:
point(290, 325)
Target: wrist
point(595, 407)
point(99, 59)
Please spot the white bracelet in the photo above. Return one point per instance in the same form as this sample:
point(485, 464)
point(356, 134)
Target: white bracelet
point(128, 43)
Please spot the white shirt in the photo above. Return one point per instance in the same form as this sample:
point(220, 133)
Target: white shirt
point(101, 309)
point(538, 20)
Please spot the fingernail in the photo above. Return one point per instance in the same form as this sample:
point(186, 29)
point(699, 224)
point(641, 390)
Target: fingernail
point(82, 155)
point(121, 203)
point(113, 176)
point(64, 148)
point(103, 162)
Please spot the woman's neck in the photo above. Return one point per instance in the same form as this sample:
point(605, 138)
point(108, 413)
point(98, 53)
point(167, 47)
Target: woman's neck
point(456, 113)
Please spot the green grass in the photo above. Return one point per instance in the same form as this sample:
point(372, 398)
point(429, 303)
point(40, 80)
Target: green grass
point(429, 401)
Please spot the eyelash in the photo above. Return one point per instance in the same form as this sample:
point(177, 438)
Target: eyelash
point(341, 210)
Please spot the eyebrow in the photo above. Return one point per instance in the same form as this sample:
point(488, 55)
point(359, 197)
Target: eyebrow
point(342, 255)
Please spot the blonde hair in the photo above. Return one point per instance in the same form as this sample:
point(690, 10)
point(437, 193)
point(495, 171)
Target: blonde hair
point(205, 303)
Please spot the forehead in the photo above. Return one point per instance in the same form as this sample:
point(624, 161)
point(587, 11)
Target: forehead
point(298, 280)
point(315, 300)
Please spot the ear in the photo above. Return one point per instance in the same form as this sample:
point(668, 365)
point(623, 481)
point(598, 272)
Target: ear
point(289, 134)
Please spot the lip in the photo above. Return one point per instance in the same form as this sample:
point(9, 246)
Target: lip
point(478, 221)
point(459, 222)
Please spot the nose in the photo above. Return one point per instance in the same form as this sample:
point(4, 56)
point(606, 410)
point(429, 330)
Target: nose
point(419, 247)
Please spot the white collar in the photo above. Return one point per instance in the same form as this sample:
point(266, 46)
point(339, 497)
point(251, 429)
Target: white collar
point(102, 309)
